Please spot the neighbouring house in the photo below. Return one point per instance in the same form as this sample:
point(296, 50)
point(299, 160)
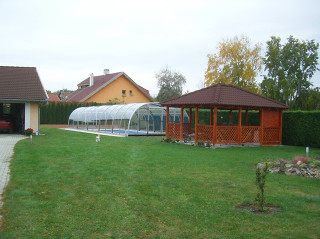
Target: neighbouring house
point(53, 98)
point(110, 88)
point(21, 94)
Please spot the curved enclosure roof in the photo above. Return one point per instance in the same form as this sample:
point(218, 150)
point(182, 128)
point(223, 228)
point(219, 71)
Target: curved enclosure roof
point(127, 119)
point(88, 114)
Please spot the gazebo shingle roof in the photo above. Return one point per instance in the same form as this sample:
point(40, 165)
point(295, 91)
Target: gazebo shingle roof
point(21, 83)
point(223, 95)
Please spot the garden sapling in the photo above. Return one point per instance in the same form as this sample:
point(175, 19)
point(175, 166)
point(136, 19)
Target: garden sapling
point(261, 174)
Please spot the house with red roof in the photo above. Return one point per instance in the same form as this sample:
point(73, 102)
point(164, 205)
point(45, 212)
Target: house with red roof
point(21, 94)
point(109, 88)
point(53, 98)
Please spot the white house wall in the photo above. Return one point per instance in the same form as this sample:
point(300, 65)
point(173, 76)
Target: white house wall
point(27, 113)
point(31, 116)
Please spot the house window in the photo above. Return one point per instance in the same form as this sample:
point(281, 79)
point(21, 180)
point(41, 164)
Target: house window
point(123, 93)
point(130, 92)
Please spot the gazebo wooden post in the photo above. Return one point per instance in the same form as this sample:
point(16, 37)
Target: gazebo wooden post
point(215, 120)
point(196, 126)
point(211, 117)
point(247, 117)
point(181, 124)
point(280, 133)
point(261, 126)
point(230, 117)
point(239, 124)
point(167, 122)
point(190, 120)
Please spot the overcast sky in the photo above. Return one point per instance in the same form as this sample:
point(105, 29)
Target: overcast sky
point(66, 40)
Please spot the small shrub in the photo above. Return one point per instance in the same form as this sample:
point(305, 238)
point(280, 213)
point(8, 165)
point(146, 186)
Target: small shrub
point(314, 162)
point(261, 174)
point(200, 144)
point(168, 140)
point(300, 158)
point(186, 139)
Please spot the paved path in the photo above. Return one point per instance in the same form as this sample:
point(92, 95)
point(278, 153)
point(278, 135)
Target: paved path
point(7, 143)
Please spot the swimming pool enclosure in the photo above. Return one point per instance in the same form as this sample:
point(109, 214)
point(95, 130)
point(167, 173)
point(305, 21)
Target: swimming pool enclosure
point(125, 119)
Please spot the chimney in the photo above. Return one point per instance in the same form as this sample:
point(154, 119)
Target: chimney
point(106, 71)
point(91, 79)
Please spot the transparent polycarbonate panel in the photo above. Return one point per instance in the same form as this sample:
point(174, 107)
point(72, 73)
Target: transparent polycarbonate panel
point(78, 114)
point(129, 119)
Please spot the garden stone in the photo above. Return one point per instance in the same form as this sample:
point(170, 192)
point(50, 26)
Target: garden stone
point(288, 168)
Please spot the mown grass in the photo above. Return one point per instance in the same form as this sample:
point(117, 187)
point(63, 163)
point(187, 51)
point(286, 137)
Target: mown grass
point(65, 185)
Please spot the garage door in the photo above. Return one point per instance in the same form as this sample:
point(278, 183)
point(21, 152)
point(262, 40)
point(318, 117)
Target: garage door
point(12, 117)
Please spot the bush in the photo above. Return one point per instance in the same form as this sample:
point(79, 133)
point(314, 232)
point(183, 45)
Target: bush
point(200, 144)
point(168, 140)
point(299, 158)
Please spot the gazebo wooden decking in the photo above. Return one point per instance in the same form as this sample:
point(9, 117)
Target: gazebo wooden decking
point(227, 97)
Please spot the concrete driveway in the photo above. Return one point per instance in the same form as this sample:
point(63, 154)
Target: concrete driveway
point(7, 143)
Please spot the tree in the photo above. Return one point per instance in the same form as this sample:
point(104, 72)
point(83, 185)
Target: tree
point(170, 84)
point(235, 63)
point(308, 100)
point(290, 68)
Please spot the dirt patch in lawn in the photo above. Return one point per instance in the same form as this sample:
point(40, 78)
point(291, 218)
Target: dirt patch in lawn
point(253, 208)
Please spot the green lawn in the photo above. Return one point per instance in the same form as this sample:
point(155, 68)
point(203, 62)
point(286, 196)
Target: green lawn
point(65, 185)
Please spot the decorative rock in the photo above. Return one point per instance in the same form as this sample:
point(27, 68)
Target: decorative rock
point(288, 168)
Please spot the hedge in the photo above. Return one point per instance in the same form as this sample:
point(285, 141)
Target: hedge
point(59, 112)
point(301, 128)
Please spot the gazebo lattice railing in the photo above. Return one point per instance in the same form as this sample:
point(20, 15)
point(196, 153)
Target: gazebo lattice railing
point(229, 134)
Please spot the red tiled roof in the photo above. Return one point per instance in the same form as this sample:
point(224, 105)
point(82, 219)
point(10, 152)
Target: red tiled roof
point(145, 90)
point(224, 95)
point(99, 82)
point(21, 83)
point(53, 97)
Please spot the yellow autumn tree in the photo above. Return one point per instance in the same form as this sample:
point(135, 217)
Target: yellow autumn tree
point(235, 63)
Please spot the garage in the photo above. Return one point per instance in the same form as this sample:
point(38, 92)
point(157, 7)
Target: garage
point(21, 95)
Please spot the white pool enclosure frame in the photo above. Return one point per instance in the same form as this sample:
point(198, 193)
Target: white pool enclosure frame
point(125, 119)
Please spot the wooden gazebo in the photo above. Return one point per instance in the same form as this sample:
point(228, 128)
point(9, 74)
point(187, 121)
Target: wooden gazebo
point(227, 97)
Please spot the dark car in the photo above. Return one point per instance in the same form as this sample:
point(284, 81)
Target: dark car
point(6, 124)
